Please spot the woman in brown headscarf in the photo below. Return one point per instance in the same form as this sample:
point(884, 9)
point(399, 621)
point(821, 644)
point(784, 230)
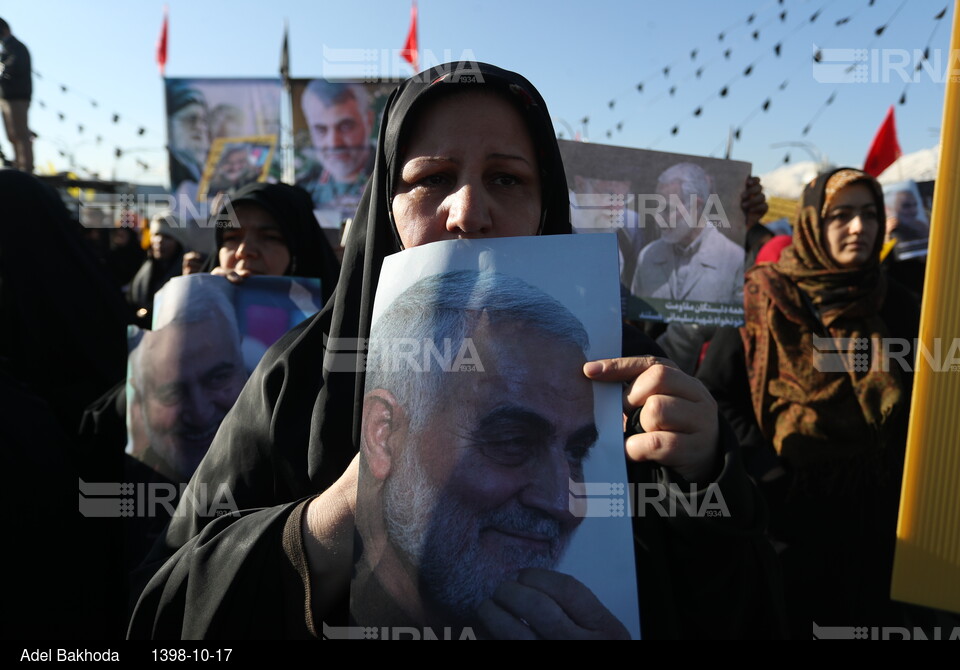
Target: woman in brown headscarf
point(837, 420)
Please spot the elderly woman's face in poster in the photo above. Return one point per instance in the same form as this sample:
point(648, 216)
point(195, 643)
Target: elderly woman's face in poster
point(469, 171)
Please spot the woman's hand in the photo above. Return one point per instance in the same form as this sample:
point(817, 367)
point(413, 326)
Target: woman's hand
point(234, 276)
point(679, 416)
point(753, 202)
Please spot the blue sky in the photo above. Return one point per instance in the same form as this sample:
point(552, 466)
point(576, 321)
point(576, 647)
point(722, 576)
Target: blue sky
point(581, 55)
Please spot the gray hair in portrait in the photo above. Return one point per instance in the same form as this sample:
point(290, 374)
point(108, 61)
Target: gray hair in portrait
point(693, 179)
point(203, 302)
point(331, 93)
point(438, 311)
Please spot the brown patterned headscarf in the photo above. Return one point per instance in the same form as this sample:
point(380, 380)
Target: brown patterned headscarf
point(817, 407)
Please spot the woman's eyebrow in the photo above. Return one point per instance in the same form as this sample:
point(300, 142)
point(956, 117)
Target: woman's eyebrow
point(433, 159)
point(842, 208)
point(513, 157)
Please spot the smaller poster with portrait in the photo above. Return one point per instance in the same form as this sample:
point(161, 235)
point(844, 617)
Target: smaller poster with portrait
point(907, 219)
point(235, 162)
point(185, 374)
point(680, 231)
point(678, 222)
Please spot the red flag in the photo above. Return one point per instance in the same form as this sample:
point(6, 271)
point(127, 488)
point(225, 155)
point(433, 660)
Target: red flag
point(162, 45)
point(885, 148)
point(410, 51)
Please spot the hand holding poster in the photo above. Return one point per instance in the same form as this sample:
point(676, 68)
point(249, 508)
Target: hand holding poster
point(482, 437)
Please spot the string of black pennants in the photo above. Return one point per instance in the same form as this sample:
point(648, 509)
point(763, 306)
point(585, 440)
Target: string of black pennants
point(114, 118)
point(700, 58)
point(649, 81)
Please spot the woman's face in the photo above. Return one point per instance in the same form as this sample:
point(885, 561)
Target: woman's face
point(257, 247)
point(851, 225)
point(164, 247)
point(470, 171)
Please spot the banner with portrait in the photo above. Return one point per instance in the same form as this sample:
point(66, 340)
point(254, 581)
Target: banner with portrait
point(679, 225)
point(203, 110)
point(185, 374)
point(487, 456)
point(335, 127)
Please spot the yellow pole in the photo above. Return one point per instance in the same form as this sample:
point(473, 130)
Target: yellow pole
point(927, 564)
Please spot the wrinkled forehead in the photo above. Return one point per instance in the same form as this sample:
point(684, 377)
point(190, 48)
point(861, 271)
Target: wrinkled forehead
point(480, 98)
point(402, 126)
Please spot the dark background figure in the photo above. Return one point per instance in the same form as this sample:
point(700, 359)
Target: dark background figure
point(62, 344)
point(125, 255)
point(168, 243)
point(116, 247)
point(16, 89)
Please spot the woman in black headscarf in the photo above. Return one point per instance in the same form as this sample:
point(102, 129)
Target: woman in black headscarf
point(294, 431)
point(272, 231)
point(168, 243)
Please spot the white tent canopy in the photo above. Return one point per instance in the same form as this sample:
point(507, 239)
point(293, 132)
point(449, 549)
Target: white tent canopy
point(788, 181)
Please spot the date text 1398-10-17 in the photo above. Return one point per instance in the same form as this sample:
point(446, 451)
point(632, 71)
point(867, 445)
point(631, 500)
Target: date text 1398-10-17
point(192, 654)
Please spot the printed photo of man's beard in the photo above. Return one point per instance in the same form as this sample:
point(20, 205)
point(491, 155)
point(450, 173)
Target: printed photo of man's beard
point(441, 538)
point(343, 160)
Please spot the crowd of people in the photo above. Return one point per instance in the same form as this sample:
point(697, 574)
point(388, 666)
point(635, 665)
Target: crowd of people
point(806, 458)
